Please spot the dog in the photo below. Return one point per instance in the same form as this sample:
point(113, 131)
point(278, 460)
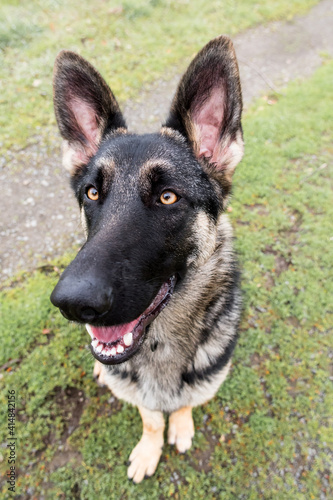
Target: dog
point(157, 281)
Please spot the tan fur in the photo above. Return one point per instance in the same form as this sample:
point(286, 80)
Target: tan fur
point(117, 131)
point(97, 369)
point(84, 222)
point(146, 169)
point(99, 373)
point(181, 429)
point(205, 235)
point(173, 134)
point(151, 163)
point(235, 152)
point(207, 390)
point(68, 158)
point(146, 455)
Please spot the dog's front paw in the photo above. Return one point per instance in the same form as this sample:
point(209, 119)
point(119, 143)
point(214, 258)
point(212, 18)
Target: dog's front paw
point(146, 455)
point(181, 429)
point(98, 374)
point(144, 458)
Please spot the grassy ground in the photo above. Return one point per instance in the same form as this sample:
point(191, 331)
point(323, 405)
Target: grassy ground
point(267, 433)
point(131, 42)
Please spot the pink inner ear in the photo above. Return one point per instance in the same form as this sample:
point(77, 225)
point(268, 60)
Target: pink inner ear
point(87, 122)
point(208, 120)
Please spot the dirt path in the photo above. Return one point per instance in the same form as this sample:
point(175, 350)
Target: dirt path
point(40, 218)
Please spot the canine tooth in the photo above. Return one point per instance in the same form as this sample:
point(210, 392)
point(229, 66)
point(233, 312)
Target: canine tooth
point(128, 338)
point(113, 351)
point(99, 348)
point(120, 349)
point(89, 330)
point(94, 343)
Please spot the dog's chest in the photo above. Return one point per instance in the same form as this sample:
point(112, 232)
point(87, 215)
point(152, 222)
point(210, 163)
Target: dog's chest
point(152, 378)
point(156, 380)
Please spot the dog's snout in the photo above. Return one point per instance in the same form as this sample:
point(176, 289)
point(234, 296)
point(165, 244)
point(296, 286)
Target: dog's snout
point(82, 300)
point(89, 314)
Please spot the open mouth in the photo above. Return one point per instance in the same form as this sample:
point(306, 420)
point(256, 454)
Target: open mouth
point(115, 344)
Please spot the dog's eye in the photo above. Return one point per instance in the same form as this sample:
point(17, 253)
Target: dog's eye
point(92, 193)
point(168, 197)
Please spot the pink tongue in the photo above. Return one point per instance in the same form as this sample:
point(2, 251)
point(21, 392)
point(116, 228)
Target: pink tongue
point(108, 334)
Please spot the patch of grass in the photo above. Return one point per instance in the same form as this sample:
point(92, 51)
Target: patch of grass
point(267, 433)
point(131, 43)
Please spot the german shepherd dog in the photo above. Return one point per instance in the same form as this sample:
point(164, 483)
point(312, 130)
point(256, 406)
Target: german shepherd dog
point(156, 282)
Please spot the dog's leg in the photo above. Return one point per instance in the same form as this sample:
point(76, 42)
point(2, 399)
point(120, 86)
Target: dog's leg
point(146, 455)
point(98, 373)
point(97, 369)
point(181, 429)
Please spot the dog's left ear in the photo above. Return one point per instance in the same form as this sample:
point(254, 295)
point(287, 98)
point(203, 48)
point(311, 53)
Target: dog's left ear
point(85, 108)
point(207, 107)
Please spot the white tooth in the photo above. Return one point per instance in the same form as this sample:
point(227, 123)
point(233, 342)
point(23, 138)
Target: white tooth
point(94, 343)
point(99, 348)
point(128, 338)
point(120, 349)
point(113, 351)
point(89, 330)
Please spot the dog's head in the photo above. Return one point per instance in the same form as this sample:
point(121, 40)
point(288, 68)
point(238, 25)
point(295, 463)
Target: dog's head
point(149, 203)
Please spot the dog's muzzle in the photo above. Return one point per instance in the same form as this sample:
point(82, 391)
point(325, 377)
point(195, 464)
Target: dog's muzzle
point(115, 344)
point(77, 303)
point(111, 343)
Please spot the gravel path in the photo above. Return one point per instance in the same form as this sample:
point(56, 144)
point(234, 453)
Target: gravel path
point(40, 219)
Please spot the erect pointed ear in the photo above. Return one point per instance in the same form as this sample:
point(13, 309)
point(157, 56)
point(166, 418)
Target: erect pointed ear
point(207, 107)
point(85, 108)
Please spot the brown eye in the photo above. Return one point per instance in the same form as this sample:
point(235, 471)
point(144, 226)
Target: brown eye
point(168, 198)
point(92, 193)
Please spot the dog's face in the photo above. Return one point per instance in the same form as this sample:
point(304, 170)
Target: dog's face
point(149, 203)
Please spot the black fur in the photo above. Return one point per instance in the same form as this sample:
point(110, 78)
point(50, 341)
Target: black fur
point(194, 376)
point(222, 305)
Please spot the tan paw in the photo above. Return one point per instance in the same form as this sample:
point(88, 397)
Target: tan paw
point(98, 373)
point(181, 429)
point(144, 458)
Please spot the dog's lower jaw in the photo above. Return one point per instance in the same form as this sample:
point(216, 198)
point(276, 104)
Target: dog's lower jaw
point(111, 345)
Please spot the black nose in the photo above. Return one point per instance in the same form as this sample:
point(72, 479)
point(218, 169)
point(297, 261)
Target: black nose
point(84, 300)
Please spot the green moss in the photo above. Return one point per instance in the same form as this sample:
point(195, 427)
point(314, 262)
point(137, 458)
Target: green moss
point(267, 433)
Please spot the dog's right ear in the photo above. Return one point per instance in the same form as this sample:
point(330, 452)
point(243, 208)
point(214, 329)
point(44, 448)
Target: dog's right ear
point(85, 108)
point(207, 108)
